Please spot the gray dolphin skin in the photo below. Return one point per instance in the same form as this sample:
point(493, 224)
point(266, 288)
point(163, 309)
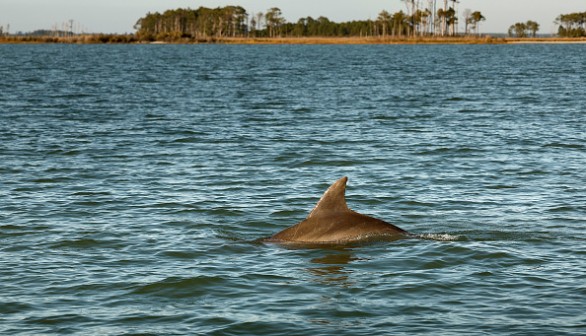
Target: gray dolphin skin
point(332, 222)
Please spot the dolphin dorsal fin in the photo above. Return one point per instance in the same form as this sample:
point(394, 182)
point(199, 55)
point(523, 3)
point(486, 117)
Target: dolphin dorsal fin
point(333, 200)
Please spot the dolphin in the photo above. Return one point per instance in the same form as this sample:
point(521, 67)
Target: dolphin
point(332, 222)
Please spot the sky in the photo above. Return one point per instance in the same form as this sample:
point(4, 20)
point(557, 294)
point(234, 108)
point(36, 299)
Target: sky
point(119, 16)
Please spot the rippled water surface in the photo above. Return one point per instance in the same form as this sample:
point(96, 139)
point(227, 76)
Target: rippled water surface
point(135, 180)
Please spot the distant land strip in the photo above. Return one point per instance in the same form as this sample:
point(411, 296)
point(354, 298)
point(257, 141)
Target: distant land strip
point(131, 39)
point(234, 25)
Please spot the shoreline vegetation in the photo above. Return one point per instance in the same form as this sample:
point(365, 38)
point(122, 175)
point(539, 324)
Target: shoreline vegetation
point(356, 40)
point(233, 25)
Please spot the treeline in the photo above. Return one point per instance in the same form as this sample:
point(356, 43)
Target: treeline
point(397, 24)
point(323, 27)
point(230, 21)
point(572, 25)
point(233, 21)
point(524, 29)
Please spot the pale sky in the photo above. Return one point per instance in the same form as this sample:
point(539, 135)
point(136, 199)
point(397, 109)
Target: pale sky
point(119, 16)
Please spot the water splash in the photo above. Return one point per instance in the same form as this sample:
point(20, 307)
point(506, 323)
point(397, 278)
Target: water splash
point(439, 237)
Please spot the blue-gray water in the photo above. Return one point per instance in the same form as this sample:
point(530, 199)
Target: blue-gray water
point(134, 181)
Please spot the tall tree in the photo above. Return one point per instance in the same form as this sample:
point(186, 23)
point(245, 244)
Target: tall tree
point(572, 25)
point(532, 27)
point(431, 7)
point(519, 29)
point(449, 20)
point(475, 19)
point(384, 20)
point(442, 13)
point(454, 19)
point(400, 24)
point(259, 17)
point(252, 26)
point(274, 20)
point(411, 8)
point(467, 19)
point(423, 21)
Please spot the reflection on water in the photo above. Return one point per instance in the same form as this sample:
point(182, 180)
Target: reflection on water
point(332, 269)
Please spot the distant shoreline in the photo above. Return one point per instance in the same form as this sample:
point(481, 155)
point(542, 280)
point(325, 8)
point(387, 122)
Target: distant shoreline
point(550, 40)
point(131, 39)
point(404, 40)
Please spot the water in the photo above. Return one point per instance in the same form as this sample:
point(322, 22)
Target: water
point(134, 181)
